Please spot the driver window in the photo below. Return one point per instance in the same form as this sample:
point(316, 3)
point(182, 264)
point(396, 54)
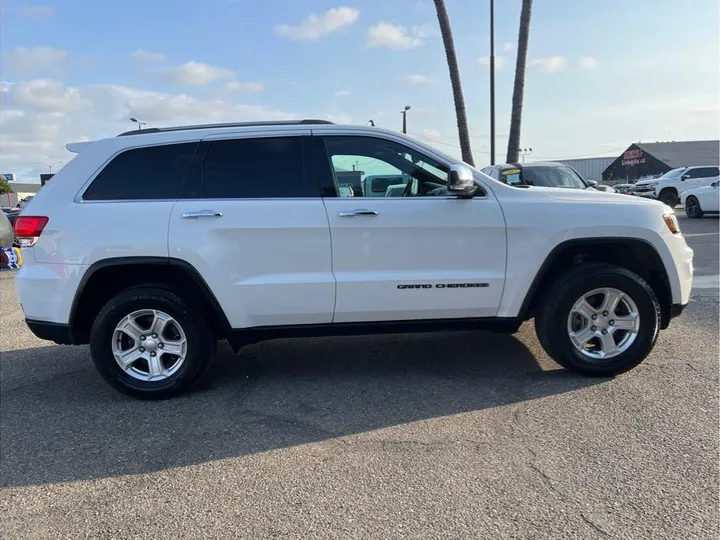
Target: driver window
point(372, 167)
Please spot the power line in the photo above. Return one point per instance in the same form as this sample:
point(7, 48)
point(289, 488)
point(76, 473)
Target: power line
point(537, 157)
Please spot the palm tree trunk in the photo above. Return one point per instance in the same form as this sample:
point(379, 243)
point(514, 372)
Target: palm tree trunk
point(519, 87)
point(460, 114)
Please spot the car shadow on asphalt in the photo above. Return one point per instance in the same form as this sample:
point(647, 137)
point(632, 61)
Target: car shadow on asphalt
point(60, 422)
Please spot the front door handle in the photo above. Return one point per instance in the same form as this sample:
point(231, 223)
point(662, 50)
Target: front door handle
point(202, 214)
point(358, 212)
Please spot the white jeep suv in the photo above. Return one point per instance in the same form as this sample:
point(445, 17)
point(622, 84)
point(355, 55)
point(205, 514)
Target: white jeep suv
point(671, 185)
point(153, 245)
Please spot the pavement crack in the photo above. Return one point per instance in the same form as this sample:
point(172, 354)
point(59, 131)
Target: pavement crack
point(594, 525)
point(548, 481)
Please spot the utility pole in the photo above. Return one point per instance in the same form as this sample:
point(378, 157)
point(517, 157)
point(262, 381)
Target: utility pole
point(404, 113)
point(492, 82)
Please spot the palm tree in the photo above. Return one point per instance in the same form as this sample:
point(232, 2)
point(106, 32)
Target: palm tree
point(519, 87)
point(460, 114)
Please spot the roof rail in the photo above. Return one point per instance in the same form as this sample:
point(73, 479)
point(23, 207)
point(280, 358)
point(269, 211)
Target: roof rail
point(226, 125)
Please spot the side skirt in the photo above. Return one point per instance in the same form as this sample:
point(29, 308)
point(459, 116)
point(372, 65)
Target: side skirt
point(247, 336)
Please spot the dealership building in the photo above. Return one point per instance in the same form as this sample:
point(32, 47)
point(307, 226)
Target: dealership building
point(645, 160)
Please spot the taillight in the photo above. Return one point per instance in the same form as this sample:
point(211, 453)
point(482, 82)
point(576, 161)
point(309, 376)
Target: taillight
point(28, 229)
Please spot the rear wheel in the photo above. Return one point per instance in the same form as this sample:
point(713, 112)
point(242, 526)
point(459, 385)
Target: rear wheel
point(599, 320)
point(147, 342)
point(669, 196)
point(692, 208)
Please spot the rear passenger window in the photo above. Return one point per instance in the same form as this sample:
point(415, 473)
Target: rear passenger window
point(153, 172)
point(256, 168)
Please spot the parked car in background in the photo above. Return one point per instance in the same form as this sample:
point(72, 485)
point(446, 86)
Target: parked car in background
point(702, 200)
point(623, 188)
point(22, 202)
point(671, 185)
point(541, 173)
point(644, 188)
point(7, 235)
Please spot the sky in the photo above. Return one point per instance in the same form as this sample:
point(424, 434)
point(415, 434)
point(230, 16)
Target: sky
point(601, 73)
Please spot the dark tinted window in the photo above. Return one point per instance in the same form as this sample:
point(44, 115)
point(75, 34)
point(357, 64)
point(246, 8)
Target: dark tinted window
point(153, 172)
point(703, 172)
point(256, 168)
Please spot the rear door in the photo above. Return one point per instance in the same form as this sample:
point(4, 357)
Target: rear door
point(700, 177)
point(421, 254)
point(253, 223)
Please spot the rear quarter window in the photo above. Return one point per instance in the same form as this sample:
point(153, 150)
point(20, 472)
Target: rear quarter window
point(148, 173)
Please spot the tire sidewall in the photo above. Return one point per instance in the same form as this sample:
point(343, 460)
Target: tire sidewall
point(668, 197)
point(199, 348)
point(694, 204)
point(648, 309)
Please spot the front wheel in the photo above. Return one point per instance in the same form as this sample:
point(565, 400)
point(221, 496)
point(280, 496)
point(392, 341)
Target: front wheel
point(147, 342)
point(599, 320)
point(692, 208)
point(669, 197)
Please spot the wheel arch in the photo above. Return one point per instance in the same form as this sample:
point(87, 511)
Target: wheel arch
point(643, 259)
point(106, 278)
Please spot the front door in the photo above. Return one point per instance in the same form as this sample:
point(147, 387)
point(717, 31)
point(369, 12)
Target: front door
point(414, 252)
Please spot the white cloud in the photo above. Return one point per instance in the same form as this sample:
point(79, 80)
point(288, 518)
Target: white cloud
point(423, 31)
point(508, 46)
point(588, 62)
point(245, 87)
point(27, 62)
point(549, 65)
point(142, 55)
point(414, 78)
point(40, 116)
point(426, 133)
point(314, 26)
point(38, 11)
point(197, 74)
point(46, 94)
point(342, 93)
point(499, 61)
point(337, 117)
point(396, 37)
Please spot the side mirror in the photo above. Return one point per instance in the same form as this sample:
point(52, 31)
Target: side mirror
point(461, 181)
point(684, 177)
point(592, 183)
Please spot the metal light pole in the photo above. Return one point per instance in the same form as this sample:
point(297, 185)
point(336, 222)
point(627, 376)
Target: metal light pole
point(138, 122)
point(50, 167)
point(404, 113)
point(524, 152)
point(492, 82)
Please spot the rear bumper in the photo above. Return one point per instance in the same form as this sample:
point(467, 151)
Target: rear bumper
point(50, 331)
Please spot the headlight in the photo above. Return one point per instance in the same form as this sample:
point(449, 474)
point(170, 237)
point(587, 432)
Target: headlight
point(672, 223)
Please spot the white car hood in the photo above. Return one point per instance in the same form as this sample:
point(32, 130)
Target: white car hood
point(591, 195)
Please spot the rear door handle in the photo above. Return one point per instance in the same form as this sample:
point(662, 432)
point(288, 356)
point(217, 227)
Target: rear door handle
point(202, 214)
point(358, 212)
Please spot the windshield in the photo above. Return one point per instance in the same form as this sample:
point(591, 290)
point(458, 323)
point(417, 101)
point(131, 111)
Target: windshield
point(560, 176)
point(673, 174)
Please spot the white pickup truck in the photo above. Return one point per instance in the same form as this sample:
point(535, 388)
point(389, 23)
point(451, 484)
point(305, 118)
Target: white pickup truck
point(671, 185)
point(153, 245)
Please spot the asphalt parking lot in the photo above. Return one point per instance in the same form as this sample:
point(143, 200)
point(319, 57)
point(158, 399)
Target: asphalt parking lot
point(470, 435)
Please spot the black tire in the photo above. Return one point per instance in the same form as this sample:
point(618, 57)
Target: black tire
point(551, 320)
point(669, 196)
point(200, 343)
point(692, 208)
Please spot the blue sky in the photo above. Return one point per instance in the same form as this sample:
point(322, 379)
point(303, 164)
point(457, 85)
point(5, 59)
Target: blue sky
point(602, 73)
